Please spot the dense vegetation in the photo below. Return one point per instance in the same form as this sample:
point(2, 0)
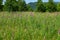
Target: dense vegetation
point(29, 26)
point(20, 5)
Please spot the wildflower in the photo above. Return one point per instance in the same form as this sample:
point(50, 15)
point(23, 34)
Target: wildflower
point(31, 14)
point(59, 32)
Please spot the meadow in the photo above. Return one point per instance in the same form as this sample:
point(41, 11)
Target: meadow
point(29, 26)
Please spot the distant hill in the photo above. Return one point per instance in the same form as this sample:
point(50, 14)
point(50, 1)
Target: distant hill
point(33, 4)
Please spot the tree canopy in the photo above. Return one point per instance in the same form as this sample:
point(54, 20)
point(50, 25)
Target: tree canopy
point(20, 5)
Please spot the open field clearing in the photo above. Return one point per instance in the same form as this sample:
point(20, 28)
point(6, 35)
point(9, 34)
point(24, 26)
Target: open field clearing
point(29, 26)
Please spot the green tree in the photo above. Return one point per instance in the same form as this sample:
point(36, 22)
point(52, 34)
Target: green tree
point(58, 7)
point(10, 5)
point(40, 6)
point(51, 6)
point(14, 5)
point(22, 5)
point(1, 6)
point(29, 7)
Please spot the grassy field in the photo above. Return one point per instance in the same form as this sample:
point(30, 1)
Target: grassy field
point(29, 26)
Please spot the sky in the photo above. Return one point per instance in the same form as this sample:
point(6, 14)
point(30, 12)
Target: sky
point(28, 1)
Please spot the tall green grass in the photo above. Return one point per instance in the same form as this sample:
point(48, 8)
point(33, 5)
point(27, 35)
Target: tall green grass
point(29, 26)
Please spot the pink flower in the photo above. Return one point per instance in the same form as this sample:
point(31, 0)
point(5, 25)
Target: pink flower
point(31, 14)
point(59, 31)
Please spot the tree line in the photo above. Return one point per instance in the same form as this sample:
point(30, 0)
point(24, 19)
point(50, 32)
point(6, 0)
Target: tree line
point(20, 5)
